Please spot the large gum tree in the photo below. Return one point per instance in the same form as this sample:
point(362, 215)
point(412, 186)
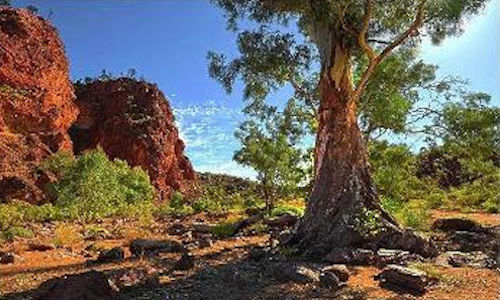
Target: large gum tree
point(342, 42)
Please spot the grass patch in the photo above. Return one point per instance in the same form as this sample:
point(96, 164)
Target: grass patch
point(66, 235)
point(224, 229)
point(287, 209)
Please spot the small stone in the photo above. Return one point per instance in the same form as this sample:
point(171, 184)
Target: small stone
point(188, 235)
point(41, 247)
point(144, 246)
point(202, 228)
point(400, 278)
point(7, 258)
point(340, 271)
point(474, 259)
point(329, 280)
point(177, 229)
point(115, 254)
point(205, 242)
point(286, 272)
point(186, 262)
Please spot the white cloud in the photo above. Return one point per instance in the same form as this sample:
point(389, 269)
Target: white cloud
point(208, 132)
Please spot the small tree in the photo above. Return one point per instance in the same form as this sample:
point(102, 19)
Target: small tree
point(269, 146)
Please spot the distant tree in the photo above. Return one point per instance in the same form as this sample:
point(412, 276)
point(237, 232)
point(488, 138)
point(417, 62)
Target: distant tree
point(5, 2)
point(343, 203)
point(269, 145)
point(32, 8)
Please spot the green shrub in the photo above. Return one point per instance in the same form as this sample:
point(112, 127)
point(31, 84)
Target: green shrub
point(223, 229)
point(482, 193)
point(285, 209)
point(93, 187)
point(414, 214)
point(176, 200)
point(16, 231)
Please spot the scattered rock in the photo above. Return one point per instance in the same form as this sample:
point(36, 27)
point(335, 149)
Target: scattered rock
point(286, 272)
point(457, 224)
point(475, 259)
point(472, 241)
point(7, 258)
point(186, 262)
point(329, 280)
point(340, 271)
point(282, 221)
point(41, 247)
point(141, 247)
point(89, 285)
point(202, 228)
point(402, 279)
point(350, 256)
point(395, 256)
point(205, 242)
point(187, 236)
point(177, 229)
point(131, 278)
point(115, 254)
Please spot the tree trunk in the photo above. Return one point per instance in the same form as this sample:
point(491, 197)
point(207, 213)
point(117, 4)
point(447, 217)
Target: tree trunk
point(343, 209)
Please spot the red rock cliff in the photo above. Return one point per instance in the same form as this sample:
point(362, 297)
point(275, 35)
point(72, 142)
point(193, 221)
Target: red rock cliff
point(36, 101)
point(132, 120)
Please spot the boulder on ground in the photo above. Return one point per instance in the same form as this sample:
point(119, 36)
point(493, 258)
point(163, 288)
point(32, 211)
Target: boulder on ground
point(7, 258)
point(340, 271)
point(285, 220)
point(115, 254)
point(89, 285)
point(141, 247)
point(186, 262)
point(41, 246)
point(403, 279)
point(286, 272)
point(329, 280)
point(36, 102)
point(457, 224)
point(351, 256)
point(474, 259)
point(132, 120)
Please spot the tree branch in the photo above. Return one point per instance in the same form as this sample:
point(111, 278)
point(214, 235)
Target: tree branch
point(364, 29)
point(374, 61)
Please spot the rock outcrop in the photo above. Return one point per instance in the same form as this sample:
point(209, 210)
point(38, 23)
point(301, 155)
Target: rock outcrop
point(133, 121)
point(36, 102)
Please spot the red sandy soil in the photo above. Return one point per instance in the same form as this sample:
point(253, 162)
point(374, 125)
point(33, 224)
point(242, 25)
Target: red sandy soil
point(35, 267)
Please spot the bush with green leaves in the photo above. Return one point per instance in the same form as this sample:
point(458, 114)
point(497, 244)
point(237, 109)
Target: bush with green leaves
point(92, 186)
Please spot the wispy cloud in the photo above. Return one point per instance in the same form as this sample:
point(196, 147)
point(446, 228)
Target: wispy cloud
point(208, 132)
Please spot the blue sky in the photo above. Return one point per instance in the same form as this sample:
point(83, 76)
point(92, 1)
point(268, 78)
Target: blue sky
point(167, 42)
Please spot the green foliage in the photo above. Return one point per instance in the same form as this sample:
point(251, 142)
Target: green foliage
point(5, 2)
point(223, 229)
point(286, 209)
point(94, 187)
point(222, 193)
point(176, 200)
point(59, 163)
point(16, 231)
point(269, 145)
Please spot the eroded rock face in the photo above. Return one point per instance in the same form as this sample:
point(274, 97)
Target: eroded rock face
point(36, 102)
point(132, 120)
